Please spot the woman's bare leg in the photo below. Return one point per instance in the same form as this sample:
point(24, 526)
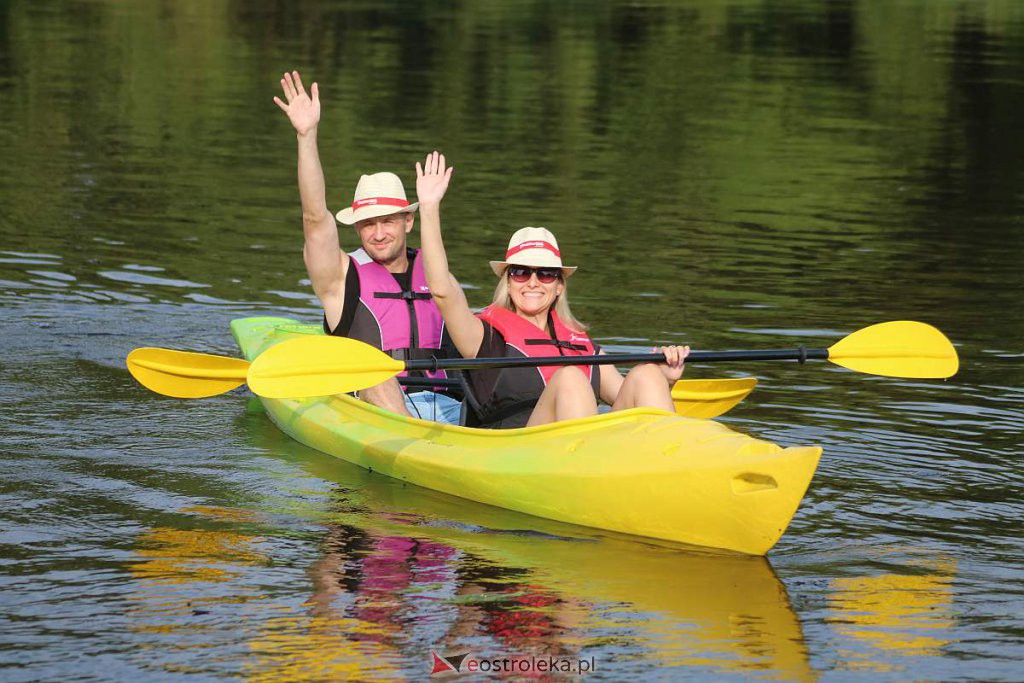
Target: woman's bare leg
point(568, 395)
point(645, 386)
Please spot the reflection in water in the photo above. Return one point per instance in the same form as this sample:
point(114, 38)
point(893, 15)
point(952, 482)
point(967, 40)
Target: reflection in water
point(901, 615)
point(317, 648)
point(377, 580)
point(418, 594)
point(187, 580)
point(176, 595)
point(495, 590)
point(175, 556)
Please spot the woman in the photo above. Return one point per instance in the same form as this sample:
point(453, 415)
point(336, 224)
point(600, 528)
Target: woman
point(529, 316)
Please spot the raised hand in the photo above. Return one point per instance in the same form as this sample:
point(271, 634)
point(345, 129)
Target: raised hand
point(432, 179)
point(302, 110)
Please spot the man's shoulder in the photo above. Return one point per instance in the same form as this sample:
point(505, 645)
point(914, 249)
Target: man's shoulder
point(360, 256)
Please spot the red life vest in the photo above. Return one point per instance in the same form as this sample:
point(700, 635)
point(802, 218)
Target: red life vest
point(508, 399)
point(530, 340)
point(405, 324)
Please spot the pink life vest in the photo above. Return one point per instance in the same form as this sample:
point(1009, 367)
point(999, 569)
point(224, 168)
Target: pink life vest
point(404, 324)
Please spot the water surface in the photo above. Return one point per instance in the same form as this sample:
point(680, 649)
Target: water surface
point(735, 174)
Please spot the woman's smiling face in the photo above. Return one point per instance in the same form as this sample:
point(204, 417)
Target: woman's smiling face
point(533, 297)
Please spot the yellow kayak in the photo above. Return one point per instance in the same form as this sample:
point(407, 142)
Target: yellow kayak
point(643, 471)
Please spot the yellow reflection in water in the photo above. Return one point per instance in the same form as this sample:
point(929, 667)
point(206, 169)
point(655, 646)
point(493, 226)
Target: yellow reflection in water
point(187, 555)
point(906, 615)
point(175, 563)
point(676, 608)
point(180, 579)
point(726, 612)
point(294, 647)
point(172, 555)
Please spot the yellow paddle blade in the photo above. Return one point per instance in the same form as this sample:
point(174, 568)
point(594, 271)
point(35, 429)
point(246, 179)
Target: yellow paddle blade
point(709, 398)
point(183, 374)
point(319, 366)
point(901, 348)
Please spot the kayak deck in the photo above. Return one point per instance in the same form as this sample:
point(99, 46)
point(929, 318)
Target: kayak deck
point(642, 471)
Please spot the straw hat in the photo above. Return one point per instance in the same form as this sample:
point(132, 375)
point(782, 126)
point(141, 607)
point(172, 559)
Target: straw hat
point(535, 247)
point(376, 195)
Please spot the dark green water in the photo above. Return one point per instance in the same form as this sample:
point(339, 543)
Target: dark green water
point(732, 174)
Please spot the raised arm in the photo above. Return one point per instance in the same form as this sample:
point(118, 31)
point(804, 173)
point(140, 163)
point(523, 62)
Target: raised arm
point(326, 263)
point(465, 328)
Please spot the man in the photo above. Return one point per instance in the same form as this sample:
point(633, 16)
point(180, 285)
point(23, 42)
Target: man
point(377, 294)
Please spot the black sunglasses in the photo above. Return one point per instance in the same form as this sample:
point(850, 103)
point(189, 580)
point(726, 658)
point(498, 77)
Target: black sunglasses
point(544, 275)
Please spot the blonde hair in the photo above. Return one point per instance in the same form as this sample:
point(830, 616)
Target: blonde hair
point(502, 297)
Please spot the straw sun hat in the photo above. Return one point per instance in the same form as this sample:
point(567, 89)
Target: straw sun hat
point(535, 247)
point(376, 195)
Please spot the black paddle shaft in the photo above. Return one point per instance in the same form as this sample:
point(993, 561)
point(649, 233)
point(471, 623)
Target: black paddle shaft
point(427, 382)
point(800, 354)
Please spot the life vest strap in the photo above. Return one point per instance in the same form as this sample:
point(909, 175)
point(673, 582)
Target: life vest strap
point(404, 294)
point(415, 354)
point(558, 343)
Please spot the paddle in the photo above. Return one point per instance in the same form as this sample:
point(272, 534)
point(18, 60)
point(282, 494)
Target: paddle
point(708, 398)
point(184, 374)
point(322, 365)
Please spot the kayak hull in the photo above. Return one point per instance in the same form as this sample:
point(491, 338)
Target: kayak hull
point(644, 472)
